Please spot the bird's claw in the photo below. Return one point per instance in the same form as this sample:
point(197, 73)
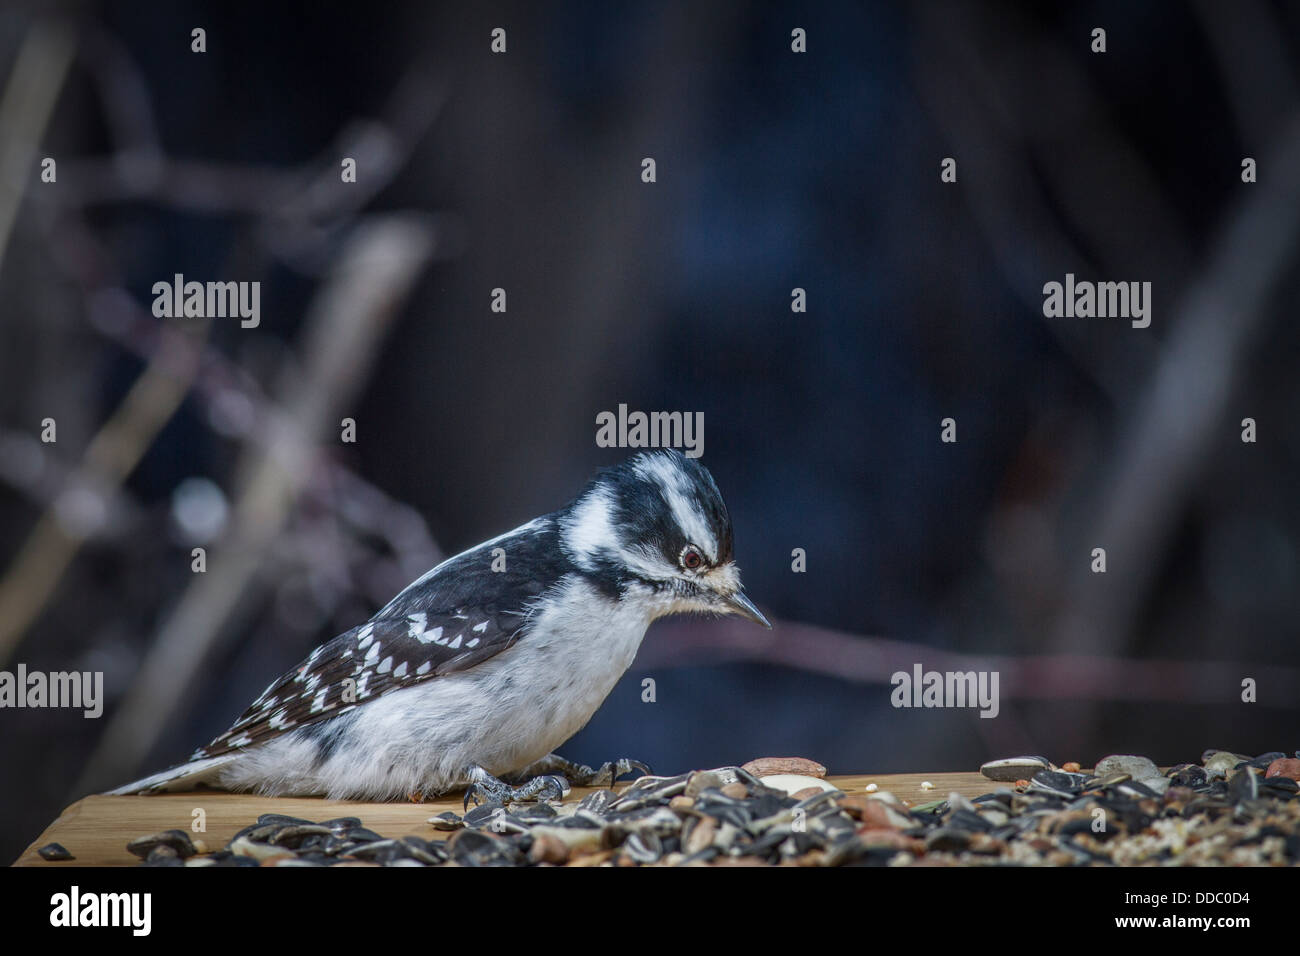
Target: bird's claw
point(487, 789)
point(608, 773)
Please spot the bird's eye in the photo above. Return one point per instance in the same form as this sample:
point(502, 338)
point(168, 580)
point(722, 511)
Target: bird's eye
point(691, 559)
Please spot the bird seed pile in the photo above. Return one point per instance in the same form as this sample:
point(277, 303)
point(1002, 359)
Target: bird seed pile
point(1229, 809)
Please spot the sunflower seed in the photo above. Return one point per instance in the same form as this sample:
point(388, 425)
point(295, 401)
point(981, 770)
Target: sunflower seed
point(644, 847)
point(1220, 764)
point(178, 841)
point(1139, 768)
point(446, 821)
point(294, 834)
point(1011, 769)
point(790, 783)
point(55, 851)
point(1243, 785)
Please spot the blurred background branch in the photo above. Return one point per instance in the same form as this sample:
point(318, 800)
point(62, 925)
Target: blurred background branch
point(89, 492)
point(30, 93)
point(875, 660)
point(1179, 419)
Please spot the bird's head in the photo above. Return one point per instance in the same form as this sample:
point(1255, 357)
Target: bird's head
point(657, 524)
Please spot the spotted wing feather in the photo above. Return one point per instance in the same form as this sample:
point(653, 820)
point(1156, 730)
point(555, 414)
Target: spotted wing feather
point(379, 656)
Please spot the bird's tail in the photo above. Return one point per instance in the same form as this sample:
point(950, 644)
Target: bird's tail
point(185, 776)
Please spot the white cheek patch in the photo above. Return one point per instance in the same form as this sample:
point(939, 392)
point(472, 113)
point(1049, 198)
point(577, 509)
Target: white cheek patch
point(590, 527)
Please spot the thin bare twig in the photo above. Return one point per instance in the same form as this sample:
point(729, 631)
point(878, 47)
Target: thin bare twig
point(29, 99)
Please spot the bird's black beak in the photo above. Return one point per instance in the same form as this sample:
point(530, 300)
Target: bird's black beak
point(739, 604)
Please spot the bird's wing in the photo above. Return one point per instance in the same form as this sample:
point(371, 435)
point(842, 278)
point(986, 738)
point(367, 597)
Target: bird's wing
point(438, 625)
point(382, 655)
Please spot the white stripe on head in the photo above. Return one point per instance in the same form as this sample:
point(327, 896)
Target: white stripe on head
point(679, 492)
point(589, 530)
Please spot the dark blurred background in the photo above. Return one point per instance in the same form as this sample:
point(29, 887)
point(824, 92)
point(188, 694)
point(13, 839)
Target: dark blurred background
point(775, 170)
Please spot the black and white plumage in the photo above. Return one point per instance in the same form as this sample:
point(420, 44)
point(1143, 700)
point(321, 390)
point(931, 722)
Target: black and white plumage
point(471, 674)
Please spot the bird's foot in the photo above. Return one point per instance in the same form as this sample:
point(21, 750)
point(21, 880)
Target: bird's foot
point(607, 774)
point(485, 788)
point(580, 775)
point(416, 796)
